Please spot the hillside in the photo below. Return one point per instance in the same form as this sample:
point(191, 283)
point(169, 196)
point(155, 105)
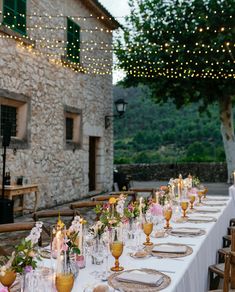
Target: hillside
point(150, 132)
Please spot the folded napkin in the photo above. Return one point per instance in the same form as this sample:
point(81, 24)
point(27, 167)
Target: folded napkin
point(200, 218)
point(207, 209)
point(192, 231)
point(141, 278)
point(170, 248)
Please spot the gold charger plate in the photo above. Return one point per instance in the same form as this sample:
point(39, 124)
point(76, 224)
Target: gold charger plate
point(189, 251)
point(200, 220)
point(173, 233)
point(138, 287)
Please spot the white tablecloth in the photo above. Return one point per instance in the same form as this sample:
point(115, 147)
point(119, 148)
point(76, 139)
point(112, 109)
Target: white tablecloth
point(191, 272)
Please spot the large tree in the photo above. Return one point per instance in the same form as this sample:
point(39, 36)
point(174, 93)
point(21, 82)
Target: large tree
point(184, 51)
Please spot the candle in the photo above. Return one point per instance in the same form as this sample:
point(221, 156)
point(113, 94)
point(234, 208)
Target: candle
point(140, 208)
point(80, 238)
point(156, 198)
point(173, 191)
point(58, 249)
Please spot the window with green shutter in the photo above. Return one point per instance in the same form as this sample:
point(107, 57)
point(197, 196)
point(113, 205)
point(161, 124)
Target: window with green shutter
point(14, 15)
point(73, 41)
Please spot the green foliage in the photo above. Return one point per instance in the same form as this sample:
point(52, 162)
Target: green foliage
point(150, 133)
point(181, 50)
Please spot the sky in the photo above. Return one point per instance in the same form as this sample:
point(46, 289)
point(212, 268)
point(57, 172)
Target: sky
point(118, 9)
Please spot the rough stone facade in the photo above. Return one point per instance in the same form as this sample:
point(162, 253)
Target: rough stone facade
point(206, 172)
point(37, 74)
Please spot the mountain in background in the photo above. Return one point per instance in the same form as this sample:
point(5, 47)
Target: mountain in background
point(150, 133)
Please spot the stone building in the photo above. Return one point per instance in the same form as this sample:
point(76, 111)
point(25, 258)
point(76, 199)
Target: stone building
point(56, 89)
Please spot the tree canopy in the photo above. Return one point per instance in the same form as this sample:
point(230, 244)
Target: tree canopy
point(182, 50)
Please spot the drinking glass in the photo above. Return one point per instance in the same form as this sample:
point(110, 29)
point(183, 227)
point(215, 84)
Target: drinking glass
point(116, 248)
point(167, 213)
point(147, 228)
point(192, 199)
point(205, 192)
point(184, 205)
point(200, 194)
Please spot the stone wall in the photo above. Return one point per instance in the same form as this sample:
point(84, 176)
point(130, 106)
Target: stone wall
point(206, 172)
point(62, 174)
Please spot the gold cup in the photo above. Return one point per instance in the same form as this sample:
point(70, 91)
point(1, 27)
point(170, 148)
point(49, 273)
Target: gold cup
point(116, 248)
point(8, 279)
point(64, 282)
point(148, 228)
point(192, 199)
point(167, 215)
point(200, 194)
point(184, 206)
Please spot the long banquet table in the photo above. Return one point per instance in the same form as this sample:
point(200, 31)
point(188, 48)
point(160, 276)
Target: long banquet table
point(188, 274)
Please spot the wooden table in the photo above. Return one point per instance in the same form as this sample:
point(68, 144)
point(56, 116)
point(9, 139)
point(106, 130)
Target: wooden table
point(20, 191)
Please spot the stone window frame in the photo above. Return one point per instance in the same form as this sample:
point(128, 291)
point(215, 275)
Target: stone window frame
point(23, 106)
point(14, 34)
point(76, 115)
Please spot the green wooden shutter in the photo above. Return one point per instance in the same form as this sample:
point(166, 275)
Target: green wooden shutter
point(21, 15)
point(73, 39)
point(14, 15)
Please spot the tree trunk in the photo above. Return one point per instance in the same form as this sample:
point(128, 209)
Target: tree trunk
point(227, 132)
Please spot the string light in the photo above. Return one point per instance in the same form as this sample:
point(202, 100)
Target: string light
point(101, 65)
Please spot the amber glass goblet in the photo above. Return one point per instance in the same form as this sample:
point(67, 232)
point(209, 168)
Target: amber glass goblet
point(167, 213)
point(64, 282)
point(184, 206)
point(116, 248)
point(205, 192)
point(147, 228)
point(8, 279)
point(200, 193)
point(192, 199)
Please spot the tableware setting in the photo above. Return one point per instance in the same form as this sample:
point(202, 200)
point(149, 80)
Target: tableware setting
point(201, 219)
point(187, 232)
point(207, 209)
point(146, 280)
point(171, 250)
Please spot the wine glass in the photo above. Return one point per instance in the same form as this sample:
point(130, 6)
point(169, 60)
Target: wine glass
point(147, 228)
point(167, 212)
point(116, 248)
point(192, 199)
point(184, 205)
point(205, 192)
point(200, 194)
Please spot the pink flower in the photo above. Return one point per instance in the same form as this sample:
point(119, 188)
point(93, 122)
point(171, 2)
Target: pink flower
point(28, 269)
point(193, 191)
point(130, 208)
point(156, 210)
point(3, 289)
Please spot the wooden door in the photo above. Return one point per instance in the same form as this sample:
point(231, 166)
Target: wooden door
point(92, 163)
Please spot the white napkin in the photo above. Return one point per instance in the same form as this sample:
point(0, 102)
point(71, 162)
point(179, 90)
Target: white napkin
point(200, 218)
point(170, 248)
point(192, 231)
point(207, 209)
point(140, 277)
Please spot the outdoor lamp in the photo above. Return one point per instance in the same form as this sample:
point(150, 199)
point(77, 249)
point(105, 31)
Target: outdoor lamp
point(120, 105)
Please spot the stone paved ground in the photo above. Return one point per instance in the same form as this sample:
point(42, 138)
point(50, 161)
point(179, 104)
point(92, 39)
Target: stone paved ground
point(10, 240)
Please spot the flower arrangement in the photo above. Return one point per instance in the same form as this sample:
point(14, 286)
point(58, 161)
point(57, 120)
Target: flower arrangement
point(68, 240)
point(132, 211)
point(111, 213)
point(195, 181)
point(23, 259)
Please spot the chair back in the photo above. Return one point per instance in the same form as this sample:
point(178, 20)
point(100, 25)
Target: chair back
point(37, 216)
point(14, 227)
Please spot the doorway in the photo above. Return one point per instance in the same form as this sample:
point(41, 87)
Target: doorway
point(92, 163)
